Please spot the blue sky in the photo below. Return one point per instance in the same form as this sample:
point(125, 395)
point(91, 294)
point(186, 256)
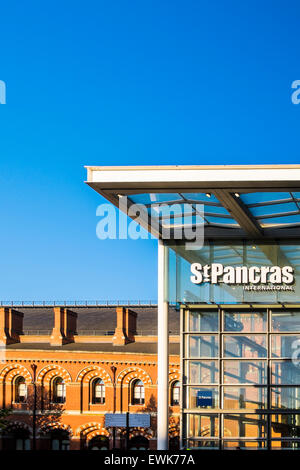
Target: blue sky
point(128, 83)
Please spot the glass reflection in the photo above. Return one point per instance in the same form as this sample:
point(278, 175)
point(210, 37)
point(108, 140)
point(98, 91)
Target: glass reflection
point(251, 321)
point(245, 397)
point(285, 373)
point(203, 346)
point(286, 321)
point(202, 425)
point(254, 372)
point(201, 444)
point(285, 425)
point(284, 345)
point(245, 346)
point(285, 397)
point(202, 372)
point(203, 321)
point(247, 445)
point(250, 426)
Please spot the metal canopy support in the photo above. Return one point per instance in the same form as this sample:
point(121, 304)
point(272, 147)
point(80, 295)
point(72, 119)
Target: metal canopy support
point(239, 212)
point(163, 351)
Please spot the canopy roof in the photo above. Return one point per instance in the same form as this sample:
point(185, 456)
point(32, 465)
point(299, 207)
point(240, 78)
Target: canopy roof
point(245, 201)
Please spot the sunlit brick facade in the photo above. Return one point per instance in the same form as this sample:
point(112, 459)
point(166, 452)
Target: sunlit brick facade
point(75, 351)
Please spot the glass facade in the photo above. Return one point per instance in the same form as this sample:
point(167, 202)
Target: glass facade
point(236, 254)
point(240, 344)
point(241, 387)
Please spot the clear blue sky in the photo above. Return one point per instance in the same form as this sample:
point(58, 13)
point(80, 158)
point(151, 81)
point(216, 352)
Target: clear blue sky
point(128, 83)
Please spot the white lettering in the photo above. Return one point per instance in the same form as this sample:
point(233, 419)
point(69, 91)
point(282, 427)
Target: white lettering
point(195, 269)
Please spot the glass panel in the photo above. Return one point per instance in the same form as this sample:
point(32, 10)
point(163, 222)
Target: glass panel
point(221, 220)
point(285, 373)
point(55, 444)
point(202, 346)
point(193, 394)
point(285, 425)
point(201, 444)
point(250, 321)
point(215, 210)
point(274, 209)
point(245, 397)
point(288, 219)
point(245, 372)
point(202, 372)
point(201, 197)
point(285, 445)
point(245, 346)
point(247, 255)
point(287, 320)
point(19, 444)
point(202, 321)
point(153, 198)
point(244, 445)
point(286, 397)
point(285, 345)
point(254, 198)
point(245, 426)
point(27, 444)
point(202, 425)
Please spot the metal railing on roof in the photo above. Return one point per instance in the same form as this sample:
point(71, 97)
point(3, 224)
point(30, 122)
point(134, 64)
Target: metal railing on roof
point(91, 332)
point(78, 303)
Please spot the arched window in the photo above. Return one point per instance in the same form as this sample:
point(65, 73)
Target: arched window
point(98, 443)
point(15, 439)
point(58, 390)
point(60, 440)
point(175, 393)
point(138, 443)
point(20, 394)
point(98, 391)
point(138, 393)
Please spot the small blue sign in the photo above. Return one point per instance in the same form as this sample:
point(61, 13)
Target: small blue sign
point(204, 398)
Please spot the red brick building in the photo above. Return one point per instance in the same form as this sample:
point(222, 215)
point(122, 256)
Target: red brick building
point(74, 364)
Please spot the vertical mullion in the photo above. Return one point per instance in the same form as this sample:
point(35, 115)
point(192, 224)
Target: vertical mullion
point(182, 427)
point(269, 375)
point(221, 401)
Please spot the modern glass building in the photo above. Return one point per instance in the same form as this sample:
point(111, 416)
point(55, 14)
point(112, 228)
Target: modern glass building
point(229, 258)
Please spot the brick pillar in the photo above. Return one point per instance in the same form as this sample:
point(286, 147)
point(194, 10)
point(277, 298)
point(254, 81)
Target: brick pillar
point(126, 326)
point(130, 325)
point(65, 325)
point(11, 325)
point(73, 396)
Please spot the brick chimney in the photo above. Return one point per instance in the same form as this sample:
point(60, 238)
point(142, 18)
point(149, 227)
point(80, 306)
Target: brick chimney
point(11, 325)
point(65, 326)
point(126, 326)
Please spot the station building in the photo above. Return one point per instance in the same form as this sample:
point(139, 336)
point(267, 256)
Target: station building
point(64, 367)
point(238, 290)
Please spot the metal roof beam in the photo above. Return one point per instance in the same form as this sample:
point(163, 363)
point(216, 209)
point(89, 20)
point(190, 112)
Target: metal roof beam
point(239, 212)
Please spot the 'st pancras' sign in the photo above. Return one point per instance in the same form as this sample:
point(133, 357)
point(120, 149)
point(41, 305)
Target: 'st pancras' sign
point(216, 273)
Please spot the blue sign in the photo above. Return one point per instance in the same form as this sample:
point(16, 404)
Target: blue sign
point(115, 420)
point(139, 420)
point(136, 420)
point(204, 398)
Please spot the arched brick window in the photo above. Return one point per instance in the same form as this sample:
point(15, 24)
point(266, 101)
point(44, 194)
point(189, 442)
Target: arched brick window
point(137, 393)
point(59, 440)
point(20, 390)
point(138, 443)
point(175, 393)
point(99, 443)
point(98, 391)
point(58, 394)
